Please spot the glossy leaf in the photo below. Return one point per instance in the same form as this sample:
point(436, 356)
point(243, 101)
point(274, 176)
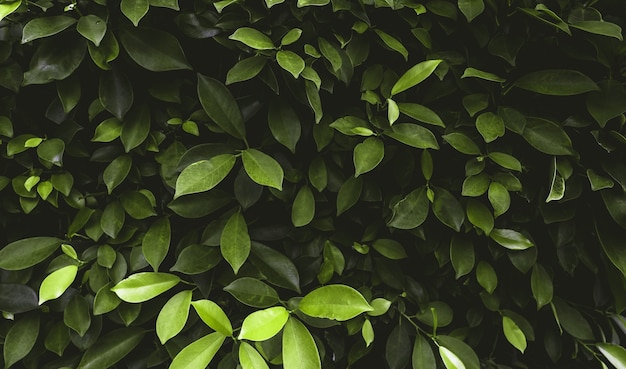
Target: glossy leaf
point(173, 316)
point(415, 75)
point(413, 135)
point(541, 286)
point(134, 10)
point(337, 302)
point(510, 239)
point(45, 26)
point(76, 315)
point(252, 292)
point(303, 208)
point(55, 284)
point(421, 113)
point(461, 350)
point(245, 69)
point(615, 354)
point(389, 248)
point(450, 360)
point(480, 216)
point(220, 105)
point(235, 241)
point(558, 82)
point(448, 209)
point(116, 93)
point(299, 349)
point(116, 172)
point(291, 62)
point(486, 276)
point(204, 175)
point(156, 242)
point(213, 316)
point(144, 286)
point(262, 168)
point(249, 357)
point(198, 354)
point(252, 38)
point(490, 126)
point(154, 50)
point(92, 27)
point(275, 266)
point(20, 339)
point(548, 137)
point(27, 252)
point(513, 334)
point(367, 155)
point(263, 324)
point(411, 211)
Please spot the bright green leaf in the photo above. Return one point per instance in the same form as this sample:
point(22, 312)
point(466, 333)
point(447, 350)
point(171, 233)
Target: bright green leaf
point(337, 302)
point(56, 283)
point(262, 168)
point(213, 316)
point(235, 241)
point(173, 316)
point(198, 354)
point(263, 324)
point(144, 286)
point(203, 175)
point(415, 75)
point(252, 38)
point(298, 347)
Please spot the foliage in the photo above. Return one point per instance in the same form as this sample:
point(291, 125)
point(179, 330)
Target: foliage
point(312, 184)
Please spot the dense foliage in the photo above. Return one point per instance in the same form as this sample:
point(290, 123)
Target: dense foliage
point(312, 184)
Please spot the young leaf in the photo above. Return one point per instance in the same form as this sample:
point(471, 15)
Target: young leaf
point(173, 316)
point(144, 286)
point(415, 75)
point(252, 38)
point(263, 324)
point(235, 241)
point(249, 357)
point(56, 283)
point(461, 350)
point(27, 252)
point(337, 302)
point(367, 331)
point(614, 353)
point(461, 143)
point(299, 349)
point(291, 62)
point(203, 175)
point(450, 360)
point(511, 239)
point(262, 168)
point(367, 155)
point(490, 126)
point(199, 353)
point(392, 43)
point(213, 316)
point(513, 334)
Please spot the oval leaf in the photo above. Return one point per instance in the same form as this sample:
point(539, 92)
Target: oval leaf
point(203, 175)
point(337, 302)
point(199, 353)
point(415, 75)
point(558, 82)
point(173, 316)
point(25, 253)
point(262, 168)
point(263, 324)
point(144, 286)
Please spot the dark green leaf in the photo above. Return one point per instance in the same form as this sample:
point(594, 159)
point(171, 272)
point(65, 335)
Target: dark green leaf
point(461, 255)
point(284, 124)
point(462, 143)
point(349, 194)
point(398, 347)
point(154, 50)
point(55, 60)
point(276, 267)
point(45, 26)
point(413, 135)
point(20, 339)
point(76, 315)
point(367, 155)
point(245, 69)
point(252, 292)
point(600, 28)
point(303, 208)
point(541, 286)
point(479, 215)
point(611, 238)
point(220, 105)
point(27, 252)
point(471, 8)
point(92, 27)
point(134, 10)
point(411, 211)
point(422, 356)
point(196, 259)
point(156, 242)
point(558, 82)
point(572, 320)
point(490, 126)
point(136, 127)
point(447, 209)
point(607, 103)
point(199, 205)
point(111, 348)
point(17, 298)
point(547, 137)
point(116, 92)
point(113, 219)
point(262, 168)
point(235, 241)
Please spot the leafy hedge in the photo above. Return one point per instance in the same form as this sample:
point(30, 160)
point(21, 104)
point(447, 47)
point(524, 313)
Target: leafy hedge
point(312, 184)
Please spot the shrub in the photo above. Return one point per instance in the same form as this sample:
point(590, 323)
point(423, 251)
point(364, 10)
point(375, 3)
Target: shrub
point(312, 184)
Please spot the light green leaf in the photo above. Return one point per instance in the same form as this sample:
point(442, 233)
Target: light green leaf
point(213, 316)
point(505, 161)
point(134, 10)
point(598, 182)
point(20, 338)
point(203, 175)
point(337, 302)
point(252, 292)
point(413, 135)
point(235, 241)
point(291, 62)
point(27, 252)
point(367, 155)
point(245, 69)
point(511, 239)
point(380, 306)
point(199, 353)
point(389, 248)
point(290, 37)
point(415, 75)
point(558, 82)
point(490, 126)
point(263, 324)
point(303, 3)
point(284, 124)
point(393, 43)
point(92, 27)
point(499, 198)
point(411, 211)
point(156, 242)
point(450, 360)
point(513, 334)
point(45, 26)
point(303, 208)
point(614, 353)
point(173, 316)
point(8, 8)
point(352, 126)
point(462, 143)
point(393, 112)
point(476, 73)
point(547, 137)
point(462, 255)
point(144, 286)
point(299, 349)
point(108, 130)
point(557, 183)
point(252, 38)
point(56, 283)
point(331, 53)
point(367, 331)
point(541, 286)
point(486, 276)
point(471, 9)
point(249, 357)
point(116, 172)
point(461, 350)
point(262, 168)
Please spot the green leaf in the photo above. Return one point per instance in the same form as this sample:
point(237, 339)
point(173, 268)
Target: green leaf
point(263, 324)
point(337, 302)
point(108, 130)
point(389, 248)
point(608, 103)
point(461, 350)
point(249, 357)
point(17, 298)
point(20, 339)
point(415, 75)
point(422, 356)
point(367, 331)
point(203, 175)
point(8, 8)
point(284, 124)
point(393, 112)
point(600, 28)
point(76, 315)
point(477, 73)
point(303, 3)
point(572, 320)
point(557, 183)
point(475, 103)
point(490, 126)
point(331, 53)
point(144, 286)
point(105, 300)
point(113, 218)
point(299, 349)
point(107, 52)
point(349, 194)
point(599, 182)
point(55, 60)
point(450, 360)
point(547, 137)
point(393, 43)
point(291, 62)
point(252, 38)
point(499, 198)
point(136, 127)
point(156, 242)
point(542, 13)
point(411, 211)
point(367, 155)
point(56, 283)
point(196, 259)
point(116, 93)
point(199, 205)
point(235, 241)
point(461, 255)
point(614, 353)
point(615, 203)
point(213, 316)
point(413, 135)
point(421, 113)
point(27, 252)
point(611, 237)
point(448, 209)
point(252, 292)
point(303, 208)
point(505, 161)
point(513, 334)
point(290, 37)
point(471, 8)
point(479, 215)
point(486, 276)
point(199, 353)
point(152, 49)
point(134, 10)
point(352, 126)
point(541, 286)
point(436, 314)
point(277, 268)
point(173, 316)
point(262, 168)
point(245, 69)
point(221, 106)
point(398, 347)
point(510, 239)
point(557, 82)
point(45, 26)
point(116, 172)
point(92, 27)
point(462, 143)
